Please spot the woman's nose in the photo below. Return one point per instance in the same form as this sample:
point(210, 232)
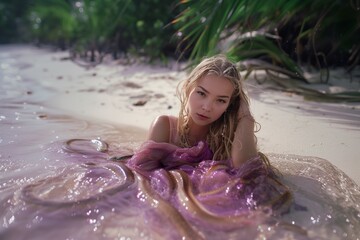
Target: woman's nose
point(207, 106)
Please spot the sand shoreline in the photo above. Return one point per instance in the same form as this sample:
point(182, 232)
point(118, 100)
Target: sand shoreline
point(133, 95)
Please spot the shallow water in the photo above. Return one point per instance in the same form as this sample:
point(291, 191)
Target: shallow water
point(48, 191)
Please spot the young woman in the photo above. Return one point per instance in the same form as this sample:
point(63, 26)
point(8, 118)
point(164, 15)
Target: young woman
point(209, 152)
point(214, 109)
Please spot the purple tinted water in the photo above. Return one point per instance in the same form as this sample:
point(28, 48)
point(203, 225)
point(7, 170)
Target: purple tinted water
point(49, 190)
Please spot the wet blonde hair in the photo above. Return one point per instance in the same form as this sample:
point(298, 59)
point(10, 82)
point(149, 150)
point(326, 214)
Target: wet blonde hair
point(222, 131)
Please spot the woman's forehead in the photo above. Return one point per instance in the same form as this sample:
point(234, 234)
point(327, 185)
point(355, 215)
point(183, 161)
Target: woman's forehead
point(216, 85)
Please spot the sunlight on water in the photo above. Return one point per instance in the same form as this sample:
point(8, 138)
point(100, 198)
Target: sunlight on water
point(64, 178)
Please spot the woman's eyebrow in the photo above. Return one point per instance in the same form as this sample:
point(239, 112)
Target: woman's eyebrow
point(202, 88)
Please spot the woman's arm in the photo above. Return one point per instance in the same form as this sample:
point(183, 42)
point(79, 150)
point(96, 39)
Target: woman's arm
point(160, 129)
point(244, 144)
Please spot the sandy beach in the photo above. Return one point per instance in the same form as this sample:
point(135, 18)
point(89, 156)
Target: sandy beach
point(134, 94)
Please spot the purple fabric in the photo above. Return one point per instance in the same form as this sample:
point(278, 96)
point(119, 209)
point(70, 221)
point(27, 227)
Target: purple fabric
point(218, 186)
point(152, 155)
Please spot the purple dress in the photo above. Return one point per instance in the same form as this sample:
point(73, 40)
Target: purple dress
point(216, 185)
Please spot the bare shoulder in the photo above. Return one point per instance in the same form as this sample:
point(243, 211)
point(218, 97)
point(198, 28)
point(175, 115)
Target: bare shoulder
point(160, 129)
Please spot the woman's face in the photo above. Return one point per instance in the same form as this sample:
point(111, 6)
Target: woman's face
point(209, 99)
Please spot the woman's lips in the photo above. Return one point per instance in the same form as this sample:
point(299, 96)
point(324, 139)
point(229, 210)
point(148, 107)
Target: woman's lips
point(202, 117)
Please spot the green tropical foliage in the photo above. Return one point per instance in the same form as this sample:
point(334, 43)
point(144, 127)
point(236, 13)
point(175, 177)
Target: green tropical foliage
point(96, 24)
point(52, 21)
point(11, 18)
point(282, 37)
point(93, 28)
point(287, 34)
point(297, 28)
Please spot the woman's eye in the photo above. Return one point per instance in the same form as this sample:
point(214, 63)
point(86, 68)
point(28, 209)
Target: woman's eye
point(221, 101)
point(201, 93)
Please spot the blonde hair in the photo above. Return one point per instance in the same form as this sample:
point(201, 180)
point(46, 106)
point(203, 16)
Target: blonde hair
point(221, 132)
